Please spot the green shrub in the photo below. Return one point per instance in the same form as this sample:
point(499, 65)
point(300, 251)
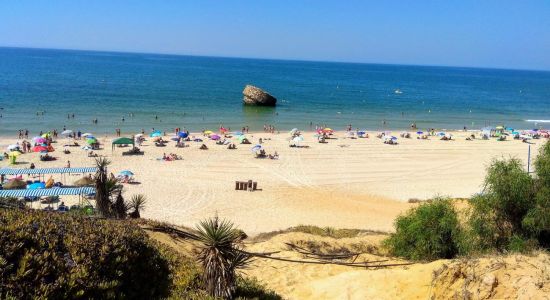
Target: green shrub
point(10, 202)
point(250, 288)
point(427, 232)
point(513, 213)
point(61, 256)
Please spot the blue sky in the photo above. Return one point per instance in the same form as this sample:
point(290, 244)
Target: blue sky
point(483, 33)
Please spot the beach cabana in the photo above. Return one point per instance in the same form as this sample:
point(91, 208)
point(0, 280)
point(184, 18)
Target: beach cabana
point(123, 141)
point(20, 193)
point(45, 171)
point(47, 192)
point(499, 130)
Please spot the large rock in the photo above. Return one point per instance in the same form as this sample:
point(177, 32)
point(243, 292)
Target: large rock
point(257, 96)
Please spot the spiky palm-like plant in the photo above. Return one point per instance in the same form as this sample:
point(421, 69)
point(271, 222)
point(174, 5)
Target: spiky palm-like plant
point(119, 207)
point(102, 195)
point(137, 203)
point(220, 255)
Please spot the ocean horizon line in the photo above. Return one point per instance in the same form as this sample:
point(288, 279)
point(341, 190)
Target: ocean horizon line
point(297, 60)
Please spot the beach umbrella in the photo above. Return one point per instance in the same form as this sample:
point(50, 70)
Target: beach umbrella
point(67, 132)
point(176, 138)
point(298, 139)
point(36, 186)
point(87, 134)
point(241, 138)
point(327, 130)
point(208, 132)
point(12, 147)
point(256, 148)
point(155, 134)
point(91, 141)
point(223, 130)
point(293, 131)
point(46, 135)
point(238, 133)
point(126, 173)
point(197, 140)
point(419, 132)
point(183, 134)
point(441, 133)
point(39, 140)
point(214, 137)
point(39, 149)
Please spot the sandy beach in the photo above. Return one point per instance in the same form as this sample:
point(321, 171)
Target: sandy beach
point(345, 183)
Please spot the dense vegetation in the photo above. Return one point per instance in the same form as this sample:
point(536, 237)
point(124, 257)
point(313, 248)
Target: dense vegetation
point(511, 214)
point(55, 256)
point(49, 255)
point(427, 232)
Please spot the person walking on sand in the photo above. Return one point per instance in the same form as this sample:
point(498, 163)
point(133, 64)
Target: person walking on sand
point(68, 164)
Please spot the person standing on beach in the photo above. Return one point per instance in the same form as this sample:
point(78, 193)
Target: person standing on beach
point(26, 133)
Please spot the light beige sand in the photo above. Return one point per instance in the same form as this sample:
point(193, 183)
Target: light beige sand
point(496, 277)
point(492, 277)
point(346, 183)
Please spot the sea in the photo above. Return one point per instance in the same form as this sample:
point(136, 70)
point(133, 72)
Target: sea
point(41, 90)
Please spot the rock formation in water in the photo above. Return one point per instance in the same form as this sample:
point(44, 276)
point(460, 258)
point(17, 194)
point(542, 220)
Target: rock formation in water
point(256, 96)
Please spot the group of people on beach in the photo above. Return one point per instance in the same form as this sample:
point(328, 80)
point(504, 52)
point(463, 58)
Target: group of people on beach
point(268, 128)
point(23, 133)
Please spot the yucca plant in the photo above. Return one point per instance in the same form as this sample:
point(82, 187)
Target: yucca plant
point(119, 207)
point(137, 203)
point(102, 195)
point(220, 255)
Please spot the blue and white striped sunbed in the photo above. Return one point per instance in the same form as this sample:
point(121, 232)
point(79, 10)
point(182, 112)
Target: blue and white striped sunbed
point(7, 171)
point(47, 192)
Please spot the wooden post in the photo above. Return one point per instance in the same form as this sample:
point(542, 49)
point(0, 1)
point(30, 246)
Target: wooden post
point(236, 185)
point(254, 186)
